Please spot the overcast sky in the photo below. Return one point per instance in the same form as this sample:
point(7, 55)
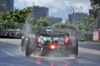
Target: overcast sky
point(57, 8)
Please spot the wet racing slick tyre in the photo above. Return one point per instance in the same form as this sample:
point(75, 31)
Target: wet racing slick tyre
point(23, 45)
point(76, 49)
point(72, 49)
point(28, 48)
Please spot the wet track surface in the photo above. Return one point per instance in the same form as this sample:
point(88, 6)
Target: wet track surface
point(10, 55)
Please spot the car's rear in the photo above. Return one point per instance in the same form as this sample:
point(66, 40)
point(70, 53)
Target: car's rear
point(50, 43)
point(57, 44)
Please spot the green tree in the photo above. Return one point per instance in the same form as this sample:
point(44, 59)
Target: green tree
point(17, 15)
point(31, 21)
point(86, 24)
point(42, 22)
point(94, 4)
point(57, 25)
point(64, 25)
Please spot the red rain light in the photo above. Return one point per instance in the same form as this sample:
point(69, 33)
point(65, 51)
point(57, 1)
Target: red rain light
point(39, 40)
point(66, 40)
point(52, 46)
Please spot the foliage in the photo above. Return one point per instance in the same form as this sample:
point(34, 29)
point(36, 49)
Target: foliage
point(85, 25)
point(17, 15)
point(42, 22)
point(64, 25)
point(57, 25)
point(31, 21)
point(22, 16)
point(94, 4)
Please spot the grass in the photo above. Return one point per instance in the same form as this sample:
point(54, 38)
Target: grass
point(94, 41)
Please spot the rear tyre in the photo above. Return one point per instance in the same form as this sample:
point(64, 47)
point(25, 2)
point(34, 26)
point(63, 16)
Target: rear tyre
point(23, 45)
point(75, 48)
point(72, 49)
point(28, 49)
point(27, 53)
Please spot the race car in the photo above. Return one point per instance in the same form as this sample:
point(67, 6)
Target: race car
point(50, 42)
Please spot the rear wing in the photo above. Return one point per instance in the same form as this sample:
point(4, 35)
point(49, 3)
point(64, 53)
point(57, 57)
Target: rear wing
point(53, 33)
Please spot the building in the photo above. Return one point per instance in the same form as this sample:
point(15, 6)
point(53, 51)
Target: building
point(74, 17)
point(54, 20)
point(39, 12)
point(9, 4)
